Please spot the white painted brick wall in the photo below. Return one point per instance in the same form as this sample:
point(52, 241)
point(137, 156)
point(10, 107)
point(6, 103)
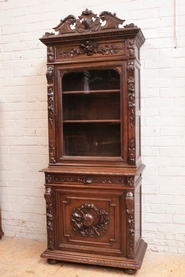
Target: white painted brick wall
point(23, 113)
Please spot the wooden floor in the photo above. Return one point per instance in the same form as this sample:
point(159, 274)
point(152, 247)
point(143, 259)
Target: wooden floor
point(21, 258)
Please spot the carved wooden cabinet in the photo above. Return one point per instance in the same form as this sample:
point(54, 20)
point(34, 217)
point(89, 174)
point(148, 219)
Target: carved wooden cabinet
point(93, 181)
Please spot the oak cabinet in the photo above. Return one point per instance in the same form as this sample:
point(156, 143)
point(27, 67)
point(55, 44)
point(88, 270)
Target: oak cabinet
point(93, 180)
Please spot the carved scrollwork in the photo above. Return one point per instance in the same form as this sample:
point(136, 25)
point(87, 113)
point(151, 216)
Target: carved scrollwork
point(90, 48)
point(89, 221)
point(130, 219)
point(49, 215)
point(131, 151)
point(88, 22)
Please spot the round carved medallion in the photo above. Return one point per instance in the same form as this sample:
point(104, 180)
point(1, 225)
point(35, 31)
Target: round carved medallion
point(88, 220)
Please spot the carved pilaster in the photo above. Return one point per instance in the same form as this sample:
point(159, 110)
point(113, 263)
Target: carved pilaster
point(49, 215)
point(51, 112)
point(131, 151)
point(130, 224)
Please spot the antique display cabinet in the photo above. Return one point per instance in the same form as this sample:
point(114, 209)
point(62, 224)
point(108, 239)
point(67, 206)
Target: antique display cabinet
point(93, 180)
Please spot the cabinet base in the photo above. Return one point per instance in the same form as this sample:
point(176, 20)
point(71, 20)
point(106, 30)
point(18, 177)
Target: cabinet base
point(130, 265)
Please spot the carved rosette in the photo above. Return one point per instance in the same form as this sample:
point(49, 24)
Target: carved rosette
point(90, 48)
point(49, 215)
point(131, 224)
point(89, 221)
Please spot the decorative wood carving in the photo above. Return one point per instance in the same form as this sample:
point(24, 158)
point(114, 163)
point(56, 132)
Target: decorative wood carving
point(131, 92)
point(132, 151)
point(52, 150)
point(49, 215)
point(130, 182)
point(89, 221)
point(88, 22)
point(131, 228)
point(130, 47)
point(50, 54)
point(89, 48)
point(89, 180)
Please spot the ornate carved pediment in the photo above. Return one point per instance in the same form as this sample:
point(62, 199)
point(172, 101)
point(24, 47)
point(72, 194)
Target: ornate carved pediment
point(87, 22)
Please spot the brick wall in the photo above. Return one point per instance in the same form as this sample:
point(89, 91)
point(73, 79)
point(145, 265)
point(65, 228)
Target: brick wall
point(23, 113)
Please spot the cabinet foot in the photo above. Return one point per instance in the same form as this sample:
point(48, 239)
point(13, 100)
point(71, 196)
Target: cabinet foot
point(51, 261)
point(129, 271)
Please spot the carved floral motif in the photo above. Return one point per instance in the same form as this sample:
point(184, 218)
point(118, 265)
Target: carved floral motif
point(52, 150)
point(89, 48)
point(130, 219)
point(89, 221)
point(89, 180)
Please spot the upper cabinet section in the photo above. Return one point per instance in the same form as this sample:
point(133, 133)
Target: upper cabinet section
point(92, 35)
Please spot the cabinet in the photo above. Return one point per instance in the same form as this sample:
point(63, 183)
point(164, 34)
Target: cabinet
point(93, 180)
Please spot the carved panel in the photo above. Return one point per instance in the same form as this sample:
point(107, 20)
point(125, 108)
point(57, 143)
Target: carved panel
point(131, 225)
point(49, 215)
point(89, 48)
point(89, 221)
point(88, 180)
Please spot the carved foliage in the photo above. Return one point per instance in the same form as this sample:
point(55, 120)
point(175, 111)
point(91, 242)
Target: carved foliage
point(131, 92)
point(131, 228)
point(89, 180)
point(88, 22)
point(52, 150)
point(89, 221)
point(49, 215)
point(131, 151)
point(89, 48)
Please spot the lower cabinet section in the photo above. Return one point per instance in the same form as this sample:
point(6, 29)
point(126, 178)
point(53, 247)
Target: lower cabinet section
point(94, 221)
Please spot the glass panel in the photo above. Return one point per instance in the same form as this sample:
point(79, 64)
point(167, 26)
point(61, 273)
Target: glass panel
point(91, 80)
point(92, 139)
point(91, 113)
point(91, 106)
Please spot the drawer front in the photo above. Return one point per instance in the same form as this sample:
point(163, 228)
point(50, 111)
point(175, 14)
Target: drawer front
point(90, 220)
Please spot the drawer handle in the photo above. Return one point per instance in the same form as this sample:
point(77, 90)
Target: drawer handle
point(88, 181)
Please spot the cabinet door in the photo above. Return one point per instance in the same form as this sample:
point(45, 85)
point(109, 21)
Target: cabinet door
point(90, 220)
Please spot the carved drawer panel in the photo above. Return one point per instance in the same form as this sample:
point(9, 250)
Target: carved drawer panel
point(90, 221)
point(89, 48)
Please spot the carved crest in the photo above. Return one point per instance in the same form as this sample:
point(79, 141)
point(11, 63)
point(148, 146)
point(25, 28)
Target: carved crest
point(88, 22)
point(89, 221)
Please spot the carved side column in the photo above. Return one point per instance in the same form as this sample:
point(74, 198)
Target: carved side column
point(131, 101)
point(130, 224)
point(49, 216)
point(51, 113)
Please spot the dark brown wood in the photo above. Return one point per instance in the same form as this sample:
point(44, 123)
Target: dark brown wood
point(1, 230)
point(93, 181)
